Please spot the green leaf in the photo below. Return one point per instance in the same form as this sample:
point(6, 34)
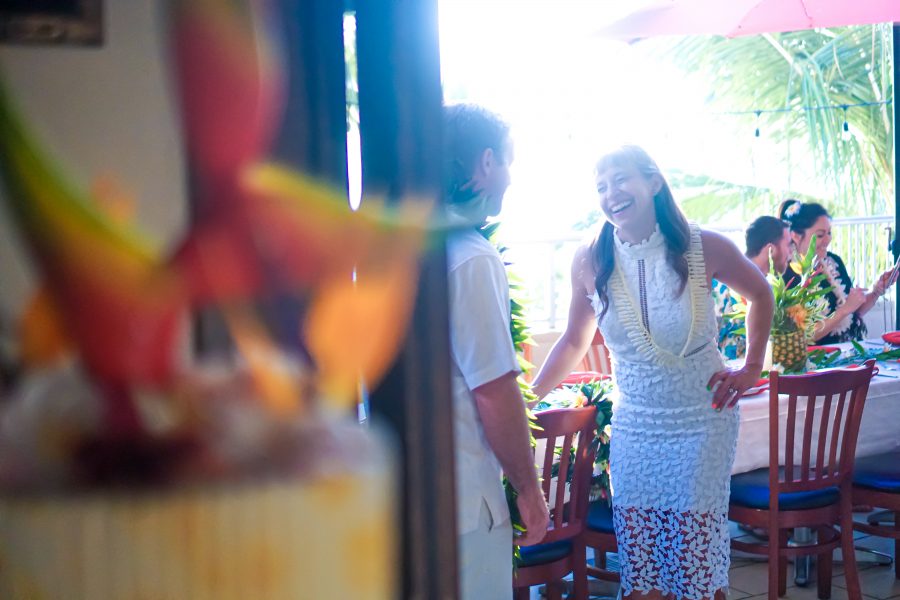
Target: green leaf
point(820, 67)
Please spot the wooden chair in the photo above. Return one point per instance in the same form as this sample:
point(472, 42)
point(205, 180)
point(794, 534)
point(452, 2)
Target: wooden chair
point(813, 488)
point(598, 533)
point(597, 357)
point(600, 536)
point(595, 360)
point(576, 377)
point(876, 482)
point(557, 554)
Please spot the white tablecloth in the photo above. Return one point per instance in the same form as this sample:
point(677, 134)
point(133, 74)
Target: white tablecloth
point(879, 431)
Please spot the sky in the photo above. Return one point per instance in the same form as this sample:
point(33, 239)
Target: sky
point(568, 93)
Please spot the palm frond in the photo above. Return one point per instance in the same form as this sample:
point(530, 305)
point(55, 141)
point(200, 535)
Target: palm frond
point(802, 70)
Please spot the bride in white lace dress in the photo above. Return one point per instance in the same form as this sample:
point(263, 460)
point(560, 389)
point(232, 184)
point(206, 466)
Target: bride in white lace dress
point(646, 281)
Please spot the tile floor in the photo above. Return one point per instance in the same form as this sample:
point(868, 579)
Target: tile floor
point(748, 576)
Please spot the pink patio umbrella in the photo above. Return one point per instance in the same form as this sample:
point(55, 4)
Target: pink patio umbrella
point(733, 18)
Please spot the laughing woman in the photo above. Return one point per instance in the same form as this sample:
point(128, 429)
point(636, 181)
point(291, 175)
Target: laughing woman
point(846, 303)
point(645, 281)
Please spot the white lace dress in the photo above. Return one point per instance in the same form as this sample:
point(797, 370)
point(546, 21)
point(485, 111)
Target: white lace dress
point(671, 452)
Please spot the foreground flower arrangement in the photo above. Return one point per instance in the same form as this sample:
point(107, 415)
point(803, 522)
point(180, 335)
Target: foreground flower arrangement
point(128, 470)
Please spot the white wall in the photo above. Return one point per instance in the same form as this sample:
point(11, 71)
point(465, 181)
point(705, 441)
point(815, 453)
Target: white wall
point(881, 318)
point(101, 111)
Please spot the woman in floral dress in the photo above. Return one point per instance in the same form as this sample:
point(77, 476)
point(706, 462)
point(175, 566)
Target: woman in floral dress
point(846, 304)
point(646, 281)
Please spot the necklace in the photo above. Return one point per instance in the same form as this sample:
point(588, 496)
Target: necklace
point(837, 288)
point(637, 332)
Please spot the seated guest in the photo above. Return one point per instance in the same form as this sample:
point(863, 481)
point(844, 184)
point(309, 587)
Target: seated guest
point(767, 241)
point(846, 304)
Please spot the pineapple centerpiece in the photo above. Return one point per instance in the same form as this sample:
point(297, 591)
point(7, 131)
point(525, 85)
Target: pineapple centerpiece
point(800, 304)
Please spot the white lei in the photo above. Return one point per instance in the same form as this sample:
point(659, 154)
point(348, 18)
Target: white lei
point(638, 334)
point(837, 288)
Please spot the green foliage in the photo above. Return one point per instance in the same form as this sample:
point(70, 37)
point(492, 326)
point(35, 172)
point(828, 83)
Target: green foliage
point(798, 307)
point(802, 306)
point(594, 392)
point(787, 72)
point(824, 359)
point(773, 72)
point(706, 199)
point(518, 325)
point(521, 337)
point(598, 393)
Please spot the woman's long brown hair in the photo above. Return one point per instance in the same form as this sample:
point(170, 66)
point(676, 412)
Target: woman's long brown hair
point(672, 224)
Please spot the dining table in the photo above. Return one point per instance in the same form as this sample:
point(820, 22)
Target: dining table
point(879, 429)
point(879, 432)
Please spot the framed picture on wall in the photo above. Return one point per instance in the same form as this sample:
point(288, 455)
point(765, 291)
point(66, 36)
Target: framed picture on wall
point(51, 22)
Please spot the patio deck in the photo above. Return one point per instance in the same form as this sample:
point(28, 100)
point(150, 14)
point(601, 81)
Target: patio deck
point(748, 576)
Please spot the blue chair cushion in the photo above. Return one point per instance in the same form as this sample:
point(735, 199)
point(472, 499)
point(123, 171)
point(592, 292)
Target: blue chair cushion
point(752, 490)
point(599, 517)
point(544, 553)
point(880, 472)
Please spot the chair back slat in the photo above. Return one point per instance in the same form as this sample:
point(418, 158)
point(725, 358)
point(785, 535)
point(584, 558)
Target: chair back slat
point(790, 426)
point(807, 437)
point(547, 463)
point(826, 424)
point(836, 435)
point(854, 418)
point(565, 459)
point(825, 428)
point(565, 430)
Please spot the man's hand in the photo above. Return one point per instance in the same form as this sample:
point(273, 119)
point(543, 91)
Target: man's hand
point(535, 518)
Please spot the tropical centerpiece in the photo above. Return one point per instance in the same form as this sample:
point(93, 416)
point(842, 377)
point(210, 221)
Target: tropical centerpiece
point(800, 304)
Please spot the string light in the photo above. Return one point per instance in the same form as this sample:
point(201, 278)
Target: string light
point(845, 134)
point(761, 111)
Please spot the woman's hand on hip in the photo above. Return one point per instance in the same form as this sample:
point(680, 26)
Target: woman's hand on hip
point(728, 385)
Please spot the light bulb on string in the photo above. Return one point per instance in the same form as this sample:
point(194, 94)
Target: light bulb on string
point(756, 133)
point(845, 134)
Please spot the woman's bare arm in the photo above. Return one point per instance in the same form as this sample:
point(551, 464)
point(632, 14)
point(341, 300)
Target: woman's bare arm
point(725, 263)
point(571, 347)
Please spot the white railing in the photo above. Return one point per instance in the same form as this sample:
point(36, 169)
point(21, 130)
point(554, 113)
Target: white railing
point(544, 265)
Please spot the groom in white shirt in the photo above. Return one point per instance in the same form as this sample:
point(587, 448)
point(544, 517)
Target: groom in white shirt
point(491, 429)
